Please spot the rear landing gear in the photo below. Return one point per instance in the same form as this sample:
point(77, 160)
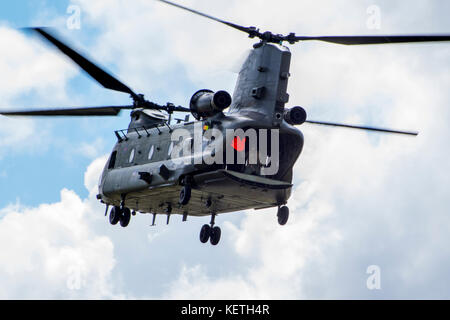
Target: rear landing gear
point(205, 233)
point(117, 214)
point(214, 237)
point(125, 217)
point(211, 233)
point(283, 215)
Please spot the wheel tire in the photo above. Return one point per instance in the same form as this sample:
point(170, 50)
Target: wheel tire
point(283, 215)
point(125, 217)
point(215, 235)
point(185, 195)
point(205, 233)
point(114, 215)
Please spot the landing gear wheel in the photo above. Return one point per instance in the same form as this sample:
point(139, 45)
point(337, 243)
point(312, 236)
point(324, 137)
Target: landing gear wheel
point(114, 215)
point(283, 215)
point(125, 217)
point(215, 235)
point(185, 194)
point(205, 233)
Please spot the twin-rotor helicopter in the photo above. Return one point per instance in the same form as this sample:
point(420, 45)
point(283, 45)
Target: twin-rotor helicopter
point(144, 173)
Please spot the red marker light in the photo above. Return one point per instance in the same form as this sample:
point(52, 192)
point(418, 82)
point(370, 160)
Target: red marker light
point(238, 144)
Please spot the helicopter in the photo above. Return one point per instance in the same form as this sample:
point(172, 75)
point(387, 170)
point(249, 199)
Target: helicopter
point(237, 154)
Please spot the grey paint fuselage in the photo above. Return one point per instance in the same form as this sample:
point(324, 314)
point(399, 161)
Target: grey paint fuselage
point(258, 102)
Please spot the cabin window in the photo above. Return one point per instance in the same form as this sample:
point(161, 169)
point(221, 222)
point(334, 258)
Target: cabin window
point(170, 149)
point(188, 146)
point(130, 160)
point(151, 152)
point(112, 160)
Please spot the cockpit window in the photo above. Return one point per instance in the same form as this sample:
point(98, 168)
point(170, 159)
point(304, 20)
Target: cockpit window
point(112, 160)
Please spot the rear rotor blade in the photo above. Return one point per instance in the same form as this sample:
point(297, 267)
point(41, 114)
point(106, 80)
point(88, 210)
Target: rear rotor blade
point(100, 75)
point(359, 40)
point(412, 133)
point(248, 30)
point(346, 40)
point(87, 111)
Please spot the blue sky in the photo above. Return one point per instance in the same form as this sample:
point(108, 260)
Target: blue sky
point(27, 175)
point(55, 167)
point(20, 13)
point(359, 199)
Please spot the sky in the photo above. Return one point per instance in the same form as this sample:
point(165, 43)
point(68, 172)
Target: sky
point(364, 206)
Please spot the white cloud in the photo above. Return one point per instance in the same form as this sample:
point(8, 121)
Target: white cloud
point(53, 252)
point(28, 66)
point(28, 69)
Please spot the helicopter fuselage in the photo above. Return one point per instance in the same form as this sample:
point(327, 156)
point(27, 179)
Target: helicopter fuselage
point(144, 173)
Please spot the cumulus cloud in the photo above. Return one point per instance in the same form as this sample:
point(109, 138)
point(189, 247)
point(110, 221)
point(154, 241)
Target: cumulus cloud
point(53, 252)
point(29, 66)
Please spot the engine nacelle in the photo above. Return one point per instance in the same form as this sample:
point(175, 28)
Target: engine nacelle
point(295, 116)
point(206, 103)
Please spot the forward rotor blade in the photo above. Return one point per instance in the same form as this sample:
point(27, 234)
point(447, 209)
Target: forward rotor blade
point(358, 40)
point(248, 30)
point(100, 75)
point(88, 111)
point(363, 127)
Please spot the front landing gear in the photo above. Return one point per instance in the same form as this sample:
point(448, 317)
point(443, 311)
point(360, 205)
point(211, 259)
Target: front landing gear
point(114, 215)
point(211, 233)
point(283, 215)
point(185, 192)
point(185, 195)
